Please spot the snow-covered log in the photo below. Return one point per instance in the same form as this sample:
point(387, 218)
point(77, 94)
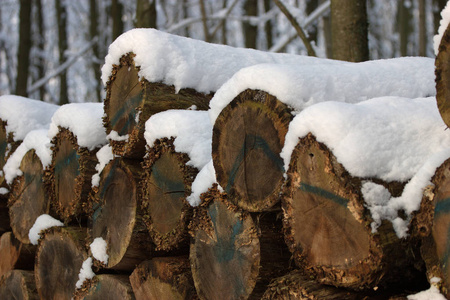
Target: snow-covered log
point(235, 254)
point(106, 286)
point(59, 258)
point(14, 254)
point(163, 278)
point(76, 134)
point(18, 284)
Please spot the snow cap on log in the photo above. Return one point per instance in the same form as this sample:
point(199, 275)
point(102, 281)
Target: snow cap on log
point(35, 139)
point(84, 120)
point(445, 14)
point(189, 63)
point(380, 138)
point(302, 86)
point(24, 115)
point(43, 222)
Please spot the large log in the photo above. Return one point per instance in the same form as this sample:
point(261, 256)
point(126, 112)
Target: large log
point(70, 176)
point(234, 254)
point(106, 286)
point(28, 197)
point(442, 72)
point(164, 278)
point(14, 254)
point(248, 136)
point(18, 284)
point(116, 215)
point(59, 258)
point(328, 229)
point(166, 184)
point(130, 102)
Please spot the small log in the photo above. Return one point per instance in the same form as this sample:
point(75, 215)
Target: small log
point(106, 286)
point(14, 254)
point(130, 102)
point(116, 215)
point(166, 184)
point(18, 284)
point(28, 197)
point(327, 226)
point(59, 258)
point(70, 176)
point(163, 278)
point(235, 254)
point(248, 136)
point(442, 72)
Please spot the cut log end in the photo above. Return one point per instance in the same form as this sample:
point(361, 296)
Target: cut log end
point(14, 254)
point(3, 150)
point(105, 286)
point(18, 284)
point(443, 76)
point(248, 136)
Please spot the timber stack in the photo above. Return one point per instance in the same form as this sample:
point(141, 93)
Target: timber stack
point(200, 178)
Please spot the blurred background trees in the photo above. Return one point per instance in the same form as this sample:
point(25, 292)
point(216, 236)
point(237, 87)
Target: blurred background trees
point(53, 49)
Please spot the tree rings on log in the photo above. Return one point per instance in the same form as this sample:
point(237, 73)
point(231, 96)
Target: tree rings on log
point(166, 184)
point(14, 254)
point(116, 217)
point(130, 101)
point(107, 286)
point(18, 284)
point(248, 137)
point(59, 258)
point(28, 197)
point(442, 71)
point(328, 228)
point(70, 176)
point(163, 278)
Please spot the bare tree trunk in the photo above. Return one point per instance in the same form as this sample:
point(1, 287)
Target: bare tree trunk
point(422, 28)
point(116, 14)
point(93, 32)
point(41, 46)
point(268, 26)
point(61, 17)
point(404, 26)
point(250, 31)
point(146, 16)
point(205, 24)
point(349, 30)
point(23, 56)
point(327, 34)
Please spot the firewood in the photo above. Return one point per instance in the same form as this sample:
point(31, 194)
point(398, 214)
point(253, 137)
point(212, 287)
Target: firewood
point(70, 176)
point(328, 229)
point(14, 254)
point(235, 254)
point(59, 258)
point(442, 72)
point(18, 284)
point(163, 278)
point(106, 286)
point(166, 184)
point(130, 102)
point(248, 136)
point(28, 197)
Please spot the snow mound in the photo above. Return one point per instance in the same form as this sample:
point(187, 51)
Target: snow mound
point(86, 273)
point(98, 250)
point(42, 222)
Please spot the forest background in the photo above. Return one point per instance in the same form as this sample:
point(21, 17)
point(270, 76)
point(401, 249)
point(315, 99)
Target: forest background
point(53, 50)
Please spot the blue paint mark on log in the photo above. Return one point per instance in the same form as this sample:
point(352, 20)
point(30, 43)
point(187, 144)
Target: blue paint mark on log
point(323, 193)
point(165, 183)
point(61, 166)
point(255, 142)
point(128, 112)
point(442, 207)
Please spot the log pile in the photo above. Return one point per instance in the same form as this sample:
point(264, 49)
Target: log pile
point(264, 230)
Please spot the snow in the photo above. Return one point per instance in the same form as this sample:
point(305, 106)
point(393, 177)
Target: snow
point(189, 63)
point(23, 115)
point(3, 191)
point(431, 294)
point(191, 129)
point(84, 120)
point(42, 222)
point(202, 182)
point(115, 136)
point(380, 138)
point(85, 272)
point(35, 139)
point(302, 86)
point(98, 250)
point(445, 14)
point(104, 156)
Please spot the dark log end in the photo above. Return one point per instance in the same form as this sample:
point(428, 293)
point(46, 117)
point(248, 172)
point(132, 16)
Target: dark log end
point(18, 284)
point(442, 72)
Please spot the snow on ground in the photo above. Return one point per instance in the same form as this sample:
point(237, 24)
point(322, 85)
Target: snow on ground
point(84, 120)
point(42, 222)
point(390, 138)
point(23, 115)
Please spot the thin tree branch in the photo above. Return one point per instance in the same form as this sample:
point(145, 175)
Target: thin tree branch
point(222, 21)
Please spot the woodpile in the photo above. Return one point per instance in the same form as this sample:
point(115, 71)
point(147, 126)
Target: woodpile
point(263, 228)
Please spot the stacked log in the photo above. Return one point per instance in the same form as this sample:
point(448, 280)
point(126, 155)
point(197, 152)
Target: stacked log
point(18, 284)
point(107, 286)
point(14, 254)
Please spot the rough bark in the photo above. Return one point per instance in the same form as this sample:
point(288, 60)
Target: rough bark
point(23, 54)
point(327, 226)
point(59, 258)
point(234, 254)
point(70, 176)
point(442, 77)
point(248, 136)
point(130, 102)
point(166, 184)
point(18, 284)
point(14, 254)
point(164, 278)
point(106, 286)
point(116, 215)
point(28, 197)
